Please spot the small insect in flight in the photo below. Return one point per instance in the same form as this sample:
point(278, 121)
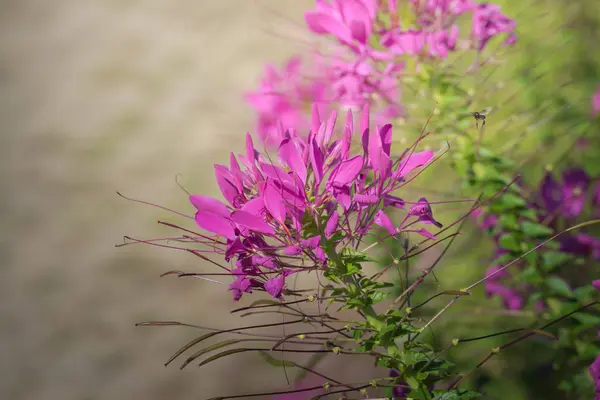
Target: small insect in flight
point(480, 116)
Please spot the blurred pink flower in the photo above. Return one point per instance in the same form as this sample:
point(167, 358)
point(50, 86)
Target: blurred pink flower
point(596, 102)
point(284, 98)
point(350, 21)
point(489, 22)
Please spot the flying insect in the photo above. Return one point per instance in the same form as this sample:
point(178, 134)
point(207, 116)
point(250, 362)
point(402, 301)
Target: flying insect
point(480, 116)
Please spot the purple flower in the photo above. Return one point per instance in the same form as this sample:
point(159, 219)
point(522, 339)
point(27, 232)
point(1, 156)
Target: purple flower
point(350, 21)
point(511, 298)
point(282, 97)
point(311, 178)
point(595, 373)
point(488, 22)
point(401, 390)
point(581, 244)
point(596, 284)
point(567, 197)
point(422, 210)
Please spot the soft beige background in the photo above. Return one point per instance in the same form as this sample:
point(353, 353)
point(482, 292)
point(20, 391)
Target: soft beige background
point(100, 96)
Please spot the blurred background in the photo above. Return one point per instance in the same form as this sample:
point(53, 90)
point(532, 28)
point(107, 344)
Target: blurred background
point(125, 95)
point(105, 96)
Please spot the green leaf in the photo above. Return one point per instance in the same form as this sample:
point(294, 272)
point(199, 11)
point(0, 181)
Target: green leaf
point(586, 319)
point(509, 221)
point(510, 242)
point(533, 230)
point(554, 259)
point(455, 395)
point(558, 286)
point(510, 200)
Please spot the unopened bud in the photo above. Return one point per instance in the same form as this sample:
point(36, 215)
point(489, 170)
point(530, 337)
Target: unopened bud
point(455, 342)
point(496, 350)
point(312, 298)
point(302, 336)
point(336, 350)
point(408, 310)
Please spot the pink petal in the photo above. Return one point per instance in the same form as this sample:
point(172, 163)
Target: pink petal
point(290, 153)
point(332, 224)
point(384, 221)
point(215, 223)
point(311, 243)
point(274, 202)
point(252, 222)
point(226, 185)
point(413, 161)
point(347, 171)
point(208, 204)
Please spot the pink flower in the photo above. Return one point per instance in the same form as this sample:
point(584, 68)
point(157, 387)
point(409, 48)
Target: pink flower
point(350, 21)
point(414, 42)
point(283, 98)
point(431, 11)
point(489, 22)
point(596, 102)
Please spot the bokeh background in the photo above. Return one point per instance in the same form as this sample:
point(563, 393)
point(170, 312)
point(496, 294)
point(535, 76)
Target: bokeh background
point(100, 96)
point(125, 95)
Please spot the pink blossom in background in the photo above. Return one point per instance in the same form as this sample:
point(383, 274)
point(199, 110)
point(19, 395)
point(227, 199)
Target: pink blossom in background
point(596, 102)
point(431, 12)
point(488, 22)
point(357, 83)
point(284, 98)
point(350, 21)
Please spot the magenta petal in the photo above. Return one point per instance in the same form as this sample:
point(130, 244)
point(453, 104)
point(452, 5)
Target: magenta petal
point(358, 31)
point(293, 158)
point(250, 151)
point(424, 232)
point(255, 206)
point(316, 160)
point(329, 127)
point(311, 243)
point(347, 138)
point(364, 129)
point(228, 189)
point(277, 174)
point(215, 223)
point(596, 284)
point(321, 23)
point(315, 119)
point(385, 133)
point(320, 254)
point(347, 171)
point(205, 203)
point(292, 250)
point(274, 202)
point(379, 159)
point(384, 221)
point(313, 20)
point(332, 224)
point(413, 161)
point(274, 286)
point(366, 198)
point(252, 222)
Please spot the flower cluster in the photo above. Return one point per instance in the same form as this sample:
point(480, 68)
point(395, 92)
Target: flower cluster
point(283, 214)
point(367, 64)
